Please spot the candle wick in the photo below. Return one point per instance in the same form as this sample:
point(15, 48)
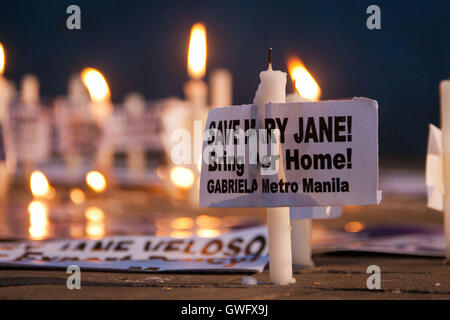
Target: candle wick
point(270, 58)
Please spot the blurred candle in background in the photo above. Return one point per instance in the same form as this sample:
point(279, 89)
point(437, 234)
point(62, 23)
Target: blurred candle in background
point(101, 110)
point(6, 93)
point(29, 93)
point(221, 84)
point(134, 105)
point(196, 90)
point(445, 127)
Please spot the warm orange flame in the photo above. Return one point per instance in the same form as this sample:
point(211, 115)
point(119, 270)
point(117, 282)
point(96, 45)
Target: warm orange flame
point(197, 52)
point(39, 184)
point(96, 181)
point(182, 177)
point(96, 84)
point(304, 82)
point(2, 59)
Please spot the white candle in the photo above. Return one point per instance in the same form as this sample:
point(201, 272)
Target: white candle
point(445, 127)
point(221, 83)
point(272, 88)
point(196, 92)
point(135, 107)
point(301, 228)
point(30, 91)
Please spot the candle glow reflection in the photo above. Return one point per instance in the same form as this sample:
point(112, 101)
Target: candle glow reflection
point(39, 223)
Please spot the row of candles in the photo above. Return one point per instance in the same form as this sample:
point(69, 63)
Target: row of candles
point(196, 92)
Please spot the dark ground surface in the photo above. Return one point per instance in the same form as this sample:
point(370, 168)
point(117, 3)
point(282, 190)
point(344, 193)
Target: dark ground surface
point(336, 276)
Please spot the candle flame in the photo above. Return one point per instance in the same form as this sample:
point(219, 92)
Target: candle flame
point(304, 82)
point(197, 52)
point(182, 177)
point(2, 59)
point(96, 181)
point(39, 184)
point(96, 84)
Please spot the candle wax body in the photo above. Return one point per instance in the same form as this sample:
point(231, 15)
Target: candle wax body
point(221, 88)
point(196, 92)
point(301, 228)
point(445, 127)
point(273, 89)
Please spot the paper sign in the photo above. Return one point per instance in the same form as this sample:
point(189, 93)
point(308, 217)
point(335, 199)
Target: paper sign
point(234, 251)
point(434, 173)
point(328, 152)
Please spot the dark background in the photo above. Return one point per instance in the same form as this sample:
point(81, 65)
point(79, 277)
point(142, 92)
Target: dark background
point(142, 46)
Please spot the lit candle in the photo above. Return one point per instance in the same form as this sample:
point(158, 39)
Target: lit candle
point(100, 109)
point(445, 127)
point(5, 92)
point(301, 221)
point(272, 89)
point(100, 106)
point(221, 83)
point(7, 163)
point(305, 90)
point(196, 92)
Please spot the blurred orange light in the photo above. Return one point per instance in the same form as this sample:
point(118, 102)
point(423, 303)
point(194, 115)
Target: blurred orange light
point(182, 177)
point(304, 82)
point(77, 196)
point(180, 234)
point(182, 223)
point(39, 223)
point(197, 52)
point(354, 226)
point(39, 184)
point(94, 214)
point(96, 181)
point(208, 233)
point(2, 59)
point(96, 84)
point(208, 222)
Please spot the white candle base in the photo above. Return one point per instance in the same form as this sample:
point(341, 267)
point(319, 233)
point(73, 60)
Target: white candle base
point(301, 244)
point(280, 254)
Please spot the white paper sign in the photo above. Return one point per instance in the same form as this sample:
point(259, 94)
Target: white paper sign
point(234, 251)
point(329, 153)
point(434, 173)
